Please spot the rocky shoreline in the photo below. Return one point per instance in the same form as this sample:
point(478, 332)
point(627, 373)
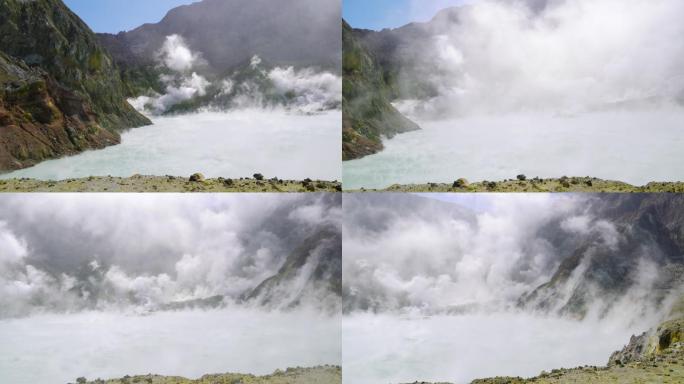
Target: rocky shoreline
point(327, 374)
point(538, 185)
point(656, 356)
point(195, 183)
point(660, 359)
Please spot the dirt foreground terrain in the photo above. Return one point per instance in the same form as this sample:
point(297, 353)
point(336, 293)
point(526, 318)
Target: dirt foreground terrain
point(195, 183)
point(316, 375)
point(523, 184)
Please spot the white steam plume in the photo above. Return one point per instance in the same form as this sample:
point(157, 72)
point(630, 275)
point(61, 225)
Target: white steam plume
point(69, 253)
point(176, 55)
point(189, 87)
point(304, 90)
point(313, 91)
point(447, 260)
point(570, 56)
point(403, 255)
point(184, 84)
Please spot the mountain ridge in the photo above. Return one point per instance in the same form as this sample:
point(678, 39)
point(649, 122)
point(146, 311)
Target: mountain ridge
point(229, 33)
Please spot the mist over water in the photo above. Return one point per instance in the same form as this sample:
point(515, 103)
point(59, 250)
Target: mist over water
point(461, 348)
point(57, 349)
point(540, 87)
point(111, 285)
point(218, 144)
point(434, 286)
point(552, 55)
point(635, 147)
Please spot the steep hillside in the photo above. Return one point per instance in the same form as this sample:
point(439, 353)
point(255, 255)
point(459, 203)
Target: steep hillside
point(60, 92)
point(640, 235)
point(368, 115)
point(39, 119)
point(404, 55)
point(313, 271)
point(310, 275)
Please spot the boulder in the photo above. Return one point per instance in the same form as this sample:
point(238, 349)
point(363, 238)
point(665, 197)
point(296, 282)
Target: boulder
point(460, 183)
point(197, 178)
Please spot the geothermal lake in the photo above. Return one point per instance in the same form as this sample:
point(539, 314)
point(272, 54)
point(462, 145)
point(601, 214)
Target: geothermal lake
point(381, 349)
point(634, 147)
point(60, 348)
point(231, 144)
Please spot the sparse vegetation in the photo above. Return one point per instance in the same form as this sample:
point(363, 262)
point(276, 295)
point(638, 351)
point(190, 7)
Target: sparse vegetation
point(563, 184)
point(653, 366)
point(197, 178)
point(367, 112)
point(139, 183)
point(47, 79)
point(327, 374)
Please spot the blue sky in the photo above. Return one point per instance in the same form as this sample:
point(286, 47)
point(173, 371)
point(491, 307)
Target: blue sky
point(121, 15)
point(379, 14)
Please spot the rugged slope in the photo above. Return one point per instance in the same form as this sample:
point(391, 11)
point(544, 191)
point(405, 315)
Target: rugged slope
point(313, 271)
point(308, 269)
point(60, 92)
point(405, 55)
point(39, 119)
point(301, 33)
point(636, 236)
point(367, 112)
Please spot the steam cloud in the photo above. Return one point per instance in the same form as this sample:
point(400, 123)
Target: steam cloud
point(312, 91)
point(182, 85)
point(442, 276)
point(557, 56)
point(407, 254)
point(189, 87)
point(70, 253)
point(176, 55)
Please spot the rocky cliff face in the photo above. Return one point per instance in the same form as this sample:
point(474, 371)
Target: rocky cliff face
point(60, 92)
point(646, 244)
point(657, 356)
point(367, 112)
point(39, 119)
point(655, 343)
point(311, 273)
point(404, 55)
